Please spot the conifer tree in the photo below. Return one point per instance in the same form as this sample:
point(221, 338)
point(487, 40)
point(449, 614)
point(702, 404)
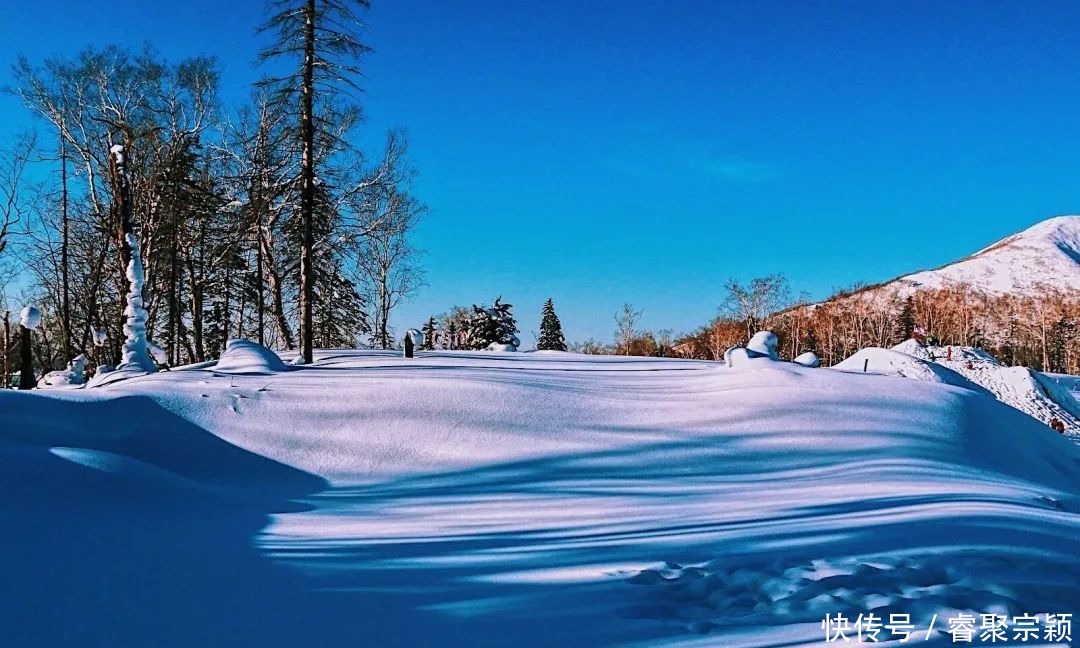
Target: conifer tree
point(495, 325)
point(451, 336)
point(430, 330)
point(551, 334)
point(906, 323)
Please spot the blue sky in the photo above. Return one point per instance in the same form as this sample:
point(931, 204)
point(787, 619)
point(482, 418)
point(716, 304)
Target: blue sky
point(601, 152)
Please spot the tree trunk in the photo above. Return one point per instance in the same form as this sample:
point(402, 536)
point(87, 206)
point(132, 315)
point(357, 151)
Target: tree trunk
point(65, 305)
point(277, 300)
point(121, 214)
point(307, 185)
point(7, 349)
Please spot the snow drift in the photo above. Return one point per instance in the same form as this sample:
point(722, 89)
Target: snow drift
point(528, 499)
point(1038, 395)
point(894, 363)
point(247, 357)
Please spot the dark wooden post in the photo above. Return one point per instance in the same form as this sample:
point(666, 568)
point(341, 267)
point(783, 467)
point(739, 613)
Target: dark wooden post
point(408, 345)
point(26, 374)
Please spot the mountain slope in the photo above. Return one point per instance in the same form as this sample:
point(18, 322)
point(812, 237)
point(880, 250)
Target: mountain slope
point(1048, 252)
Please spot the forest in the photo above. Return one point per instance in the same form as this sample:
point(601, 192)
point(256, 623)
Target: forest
point(264, 220)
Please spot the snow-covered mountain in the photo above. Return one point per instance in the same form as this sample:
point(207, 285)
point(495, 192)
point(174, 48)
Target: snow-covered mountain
point(1045, 253)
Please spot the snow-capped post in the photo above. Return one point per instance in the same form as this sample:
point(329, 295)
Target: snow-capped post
point(413, 339)
point(135, 352)
point(29, 320)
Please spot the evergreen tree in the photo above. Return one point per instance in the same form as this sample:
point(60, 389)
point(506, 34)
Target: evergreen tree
point(338, 309)
point(551, 335)
point(451, 336)
point(319, 37)
point(430, 330)
point(905, 326)
point(495, 325)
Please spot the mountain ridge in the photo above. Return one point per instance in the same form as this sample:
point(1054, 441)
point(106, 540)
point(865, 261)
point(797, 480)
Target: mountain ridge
point(1046, 253)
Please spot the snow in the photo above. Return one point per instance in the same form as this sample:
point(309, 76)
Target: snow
point(247, 357)
point(1046, 253)
point(416, 335)
point(157, 353)
point(135, 355)
point(503, 348)
point(1041, 396)
point(523, 499)
point(808, 359)
point(30, 317)
point(73, 376)
point(763, 343)
point(889, 362)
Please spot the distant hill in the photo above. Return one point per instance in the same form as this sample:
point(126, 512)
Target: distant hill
point(1045, 253)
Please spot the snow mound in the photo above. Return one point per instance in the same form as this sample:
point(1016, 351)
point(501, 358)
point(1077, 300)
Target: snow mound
point(763, 343)
point(1036, 394)
point(504, 348)
point(247, 357)
point(107, 375)
point(808, 359)
point(894, 363)
point(74, 375)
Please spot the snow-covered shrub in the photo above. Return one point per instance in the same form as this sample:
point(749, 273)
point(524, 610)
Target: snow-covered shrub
point(495, 325)
point(808, 359)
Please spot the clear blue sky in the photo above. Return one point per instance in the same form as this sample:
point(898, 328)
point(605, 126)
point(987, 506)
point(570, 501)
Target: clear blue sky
point(600, 152)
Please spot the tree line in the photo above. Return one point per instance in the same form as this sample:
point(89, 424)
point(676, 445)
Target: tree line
point(263, 220)
point(1039, 328)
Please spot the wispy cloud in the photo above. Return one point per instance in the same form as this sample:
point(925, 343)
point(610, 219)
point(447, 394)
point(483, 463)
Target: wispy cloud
point(648, 153)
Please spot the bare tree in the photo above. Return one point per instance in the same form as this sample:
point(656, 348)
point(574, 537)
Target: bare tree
point(625, 322)
point(755, 302)
point(386, 259)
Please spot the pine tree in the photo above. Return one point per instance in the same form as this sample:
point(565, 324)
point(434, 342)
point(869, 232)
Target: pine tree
point(430, 330)
point(495, 325)
point(551, 335)
point(451, 336)
point(319, 35)
point(905, 326)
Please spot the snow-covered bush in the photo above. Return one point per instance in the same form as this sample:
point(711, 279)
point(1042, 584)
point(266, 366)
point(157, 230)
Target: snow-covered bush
point(808, 359)
point(495, 325)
